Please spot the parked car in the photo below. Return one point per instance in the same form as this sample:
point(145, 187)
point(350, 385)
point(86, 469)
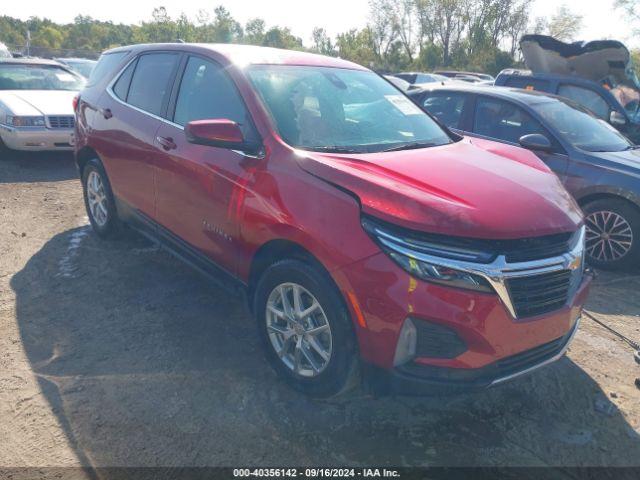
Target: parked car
point(598, 165)
point(456, 73)
point(419, 77)
point(469, 78)
point(36, 111)
point(398, 82)
point(83, 66)
point(591, 95)
point(361, 232)
point(597, 75)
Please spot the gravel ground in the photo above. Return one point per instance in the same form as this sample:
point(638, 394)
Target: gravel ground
point(112, 353)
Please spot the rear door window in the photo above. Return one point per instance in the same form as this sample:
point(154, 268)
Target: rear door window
point(504, 121)
point(106, 65)
point(151, 82)
point(446, 107)
point(587, 98)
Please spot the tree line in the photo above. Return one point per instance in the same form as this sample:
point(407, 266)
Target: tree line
point(400, 34)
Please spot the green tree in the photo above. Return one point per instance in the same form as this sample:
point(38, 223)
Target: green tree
point(321, 42)
point(225, 28)
point(254, 31)
point(357, 46)
point(279, 37)
point(49, 37)
point(564, 24)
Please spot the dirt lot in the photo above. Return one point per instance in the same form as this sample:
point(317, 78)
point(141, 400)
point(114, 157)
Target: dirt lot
point(114, 354)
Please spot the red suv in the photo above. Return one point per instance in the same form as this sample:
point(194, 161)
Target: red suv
point(363, 233)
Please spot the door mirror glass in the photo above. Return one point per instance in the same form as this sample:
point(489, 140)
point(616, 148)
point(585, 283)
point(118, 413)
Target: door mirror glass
point(617, 118)
point(221, 133)
point(535, 141)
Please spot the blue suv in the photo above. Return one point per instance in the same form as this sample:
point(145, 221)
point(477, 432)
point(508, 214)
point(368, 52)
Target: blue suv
point(605, 102)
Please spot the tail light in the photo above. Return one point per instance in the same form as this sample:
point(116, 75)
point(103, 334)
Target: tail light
point(76, 101)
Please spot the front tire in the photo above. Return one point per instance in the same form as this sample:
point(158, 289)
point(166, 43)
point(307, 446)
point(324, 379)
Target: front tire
point(306, 329)
point(613, 234)
point(4, 150)
point(99, 200)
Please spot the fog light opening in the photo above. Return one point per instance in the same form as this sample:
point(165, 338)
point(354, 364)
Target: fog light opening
point(406, 346)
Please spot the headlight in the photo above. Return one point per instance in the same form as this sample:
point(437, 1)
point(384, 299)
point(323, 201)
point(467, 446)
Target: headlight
point(439, 274)
point(420, 258)
point(19, 121)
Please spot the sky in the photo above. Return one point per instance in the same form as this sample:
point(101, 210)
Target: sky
point(601, 20)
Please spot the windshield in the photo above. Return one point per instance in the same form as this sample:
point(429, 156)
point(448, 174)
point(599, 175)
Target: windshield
point(341, 110)
point(581, 128)
point(38, 77)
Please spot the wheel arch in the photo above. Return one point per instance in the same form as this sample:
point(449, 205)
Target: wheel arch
point(276, 250)
point(273, 251)
point(606, 195)
point(83, 156)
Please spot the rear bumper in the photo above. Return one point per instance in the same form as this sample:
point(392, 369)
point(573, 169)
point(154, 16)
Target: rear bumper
point(415, 379)
point(37, 139)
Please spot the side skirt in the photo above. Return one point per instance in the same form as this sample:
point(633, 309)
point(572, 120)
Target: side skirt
point(180, 249)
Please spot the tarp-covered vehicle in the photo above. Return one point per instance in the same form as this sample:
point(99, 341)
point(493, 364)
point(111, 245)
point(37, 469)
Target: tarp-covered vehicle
point(598, 75)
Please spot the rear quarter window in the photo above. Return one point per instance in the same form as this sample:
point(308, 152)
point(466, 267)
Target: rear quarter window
point(107, 63)
point(121, 87)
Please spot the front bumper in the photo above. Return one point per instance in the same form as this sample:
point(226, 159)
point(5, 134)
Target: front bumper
point(37, 139)
point(414, 379)
point(496, 344)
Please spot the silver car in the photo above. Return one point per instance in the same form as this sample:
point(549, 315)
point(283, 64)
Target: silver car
point(36, 104)
point(83, 66)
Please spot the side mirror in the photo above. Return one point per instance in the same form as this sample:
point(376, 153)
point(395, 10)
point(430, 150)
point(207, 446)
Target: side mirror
point(535, 141)
point(617, 118)
point(220, 133)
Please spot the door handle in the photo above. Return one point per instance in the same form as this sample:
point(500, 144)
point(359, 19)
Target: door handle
point(105, 112)
point(167, 143)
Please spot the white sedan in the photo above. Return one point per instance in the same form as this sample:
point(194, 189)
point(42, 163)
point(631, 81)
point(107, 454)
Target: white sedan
point(36, 104)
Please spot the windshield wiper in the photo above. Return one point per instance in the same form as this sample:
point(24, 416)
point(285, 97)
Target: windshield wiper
point(410, 146)
point(331, 149)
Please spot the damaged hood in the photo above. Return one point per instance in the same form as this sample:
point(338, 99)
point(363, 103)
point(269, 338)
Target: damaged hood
point(472, 188)
point(596, 60)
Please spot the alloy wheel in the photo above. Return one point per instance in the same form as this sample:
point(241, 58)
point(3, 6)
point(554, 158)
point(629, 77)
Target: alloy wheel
point(609, 236)
point(298, 329)
point(97, 198)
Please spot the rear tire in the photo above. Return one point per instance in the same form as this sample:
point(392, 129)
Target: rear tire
point(613, 234)
point(315, 353)
point(99, 200)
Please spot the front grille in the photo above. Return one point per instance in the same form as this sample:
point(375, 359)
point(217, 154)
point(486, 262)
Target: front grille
point(536, 248)
point(529, 358)
point(538, 294)
point(66, 121)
